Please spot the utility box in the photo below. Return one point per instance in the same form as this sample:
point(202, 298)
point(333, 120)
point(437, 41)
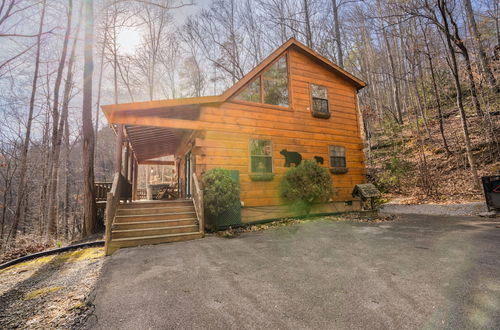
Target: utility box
point(491, 186)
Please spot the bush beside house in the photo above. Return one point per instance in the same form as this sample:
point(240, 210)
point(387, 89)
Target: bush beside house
point(305, 185)
point(220, 192)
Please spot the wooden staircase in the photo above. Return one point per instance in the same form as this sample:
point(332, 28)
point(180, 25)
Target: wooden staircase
point(153, 222)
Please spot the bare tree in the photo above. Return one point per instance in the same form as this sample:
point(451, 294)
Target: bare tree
point(57, 127)
point(89, 206)
point(169, 58)
point(156, 21)
point(444, 12)
point(481, 54)
point(26, 143)
point(429, 56)
point(307, 23)
point(338, 37)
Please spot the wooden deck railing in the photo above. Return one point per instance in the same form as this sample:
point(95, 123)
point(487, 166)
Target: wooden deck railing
point(141, 193)
point(121, 190)
point(198, 203)
point(101, 190)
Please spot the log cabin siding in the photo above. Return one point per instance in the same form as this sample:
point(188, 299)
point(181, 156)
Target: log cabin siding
point(294, 129)
point(218, 130)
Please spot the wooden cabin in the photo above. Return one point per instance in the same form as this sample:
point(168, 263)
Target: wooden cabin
point(295, 105)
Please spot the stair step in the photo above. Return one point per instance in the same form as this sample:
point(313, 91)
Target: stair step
point(154, 223)
point(155, 210)
point(144, 232)
point(154, 239)
point(177, 202)
point(157, 216)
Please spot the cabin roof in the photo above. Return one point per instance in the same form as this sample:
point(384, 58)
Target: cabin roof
point(292, 42)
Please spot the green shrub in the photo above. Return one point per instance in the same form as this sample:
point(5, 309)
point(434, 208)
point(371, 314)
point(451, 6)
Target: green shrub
point(220, 191)
point(305, 185)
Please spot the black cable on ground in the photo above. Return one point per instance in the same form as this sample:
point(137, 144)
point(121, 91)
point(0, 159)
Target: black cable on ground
point(50, 252)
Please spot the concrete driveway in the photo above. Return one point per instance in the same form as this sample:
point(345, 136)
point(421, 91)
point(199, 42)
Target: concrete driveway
point(418, 272)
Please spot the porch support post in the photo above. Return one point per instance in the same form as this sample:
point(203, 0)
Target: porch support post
point(131, 166)
point(125, 163)
point(134, 180)
point(118, 148)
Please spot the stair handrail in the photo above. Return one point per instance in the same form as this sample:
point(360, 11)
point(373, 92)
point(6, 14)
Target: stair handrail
point(198, 204)
point(112, 201)
point(101, 190)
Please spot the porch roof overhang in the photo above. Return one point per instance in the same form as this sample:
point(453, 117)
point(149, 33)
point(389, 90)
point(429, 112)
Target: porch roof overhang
point(152, 142)
point(157, 130)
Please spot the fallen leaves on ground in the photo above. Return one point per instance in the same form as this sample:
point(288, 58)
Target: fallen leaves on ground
point(368, 217)
point(49, 292)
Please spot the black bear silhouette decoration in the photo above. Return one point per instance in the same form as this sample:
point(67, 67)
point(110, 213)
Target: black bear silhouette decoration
point(291, 157)
point(319, 159)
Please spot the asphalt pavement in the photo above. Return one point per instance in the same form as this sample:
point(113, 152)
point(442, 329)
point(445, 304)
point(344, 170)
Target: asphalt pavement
point(420, 272)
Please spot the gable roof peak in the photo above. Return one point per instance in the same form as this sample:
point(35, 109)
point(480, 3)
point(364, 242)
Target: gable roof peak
point(277, 53)
point(292, 42)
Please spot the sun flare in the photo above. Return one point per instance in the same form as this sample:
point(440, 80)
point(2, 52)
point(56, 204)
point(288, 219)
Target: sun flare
point(129, 38)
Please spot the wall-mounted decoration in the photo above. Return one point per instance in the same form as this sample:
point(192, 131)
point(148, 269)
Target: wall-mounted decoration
point(319, 159)
point(291, 157)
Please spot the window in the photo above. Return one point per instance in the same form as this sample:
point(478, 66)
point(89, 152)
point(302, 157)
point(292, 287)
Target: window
point(319, 101)
point(276, 83)
point(337, 156)
point(251, 93)
point(261, 157)
point(271, 87)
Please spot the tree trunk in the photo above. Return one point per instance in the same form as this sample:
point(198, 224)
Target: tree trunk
point(472, 84)
point(66, 178)
point(497, 20)
point(308, 24)
point(101, 70)
point(7, 189)
point(63, 128)
point(26, 143)
point(58, 125)
point(394, 82)
point(438, 102)
point(89, 206)
point(115, 58)
point(483, 59)
point(338, 40)
point(46, 161)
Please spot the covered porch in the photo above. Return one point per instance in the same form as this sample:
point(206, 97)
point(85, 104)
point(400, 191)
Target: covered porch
point(148, 139)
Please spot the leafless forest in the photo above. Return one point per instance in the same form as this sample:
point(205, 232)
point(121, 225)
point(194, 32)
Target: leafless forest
point(430, 113)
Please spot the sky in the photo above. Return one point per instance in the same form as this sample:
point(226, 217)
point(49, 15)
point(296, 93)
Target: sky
point(130, 38)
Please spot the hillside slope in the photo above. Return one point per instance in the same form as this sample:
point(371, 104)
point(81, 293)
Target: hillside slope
point(396, 157)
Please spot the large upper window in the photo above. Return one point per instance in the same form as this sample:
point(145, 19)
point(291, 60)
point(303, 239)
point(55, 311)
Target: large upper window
point(261, 156)
point(251, 93)
point(276, 83)
point(319, 101)
point(271, 87)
